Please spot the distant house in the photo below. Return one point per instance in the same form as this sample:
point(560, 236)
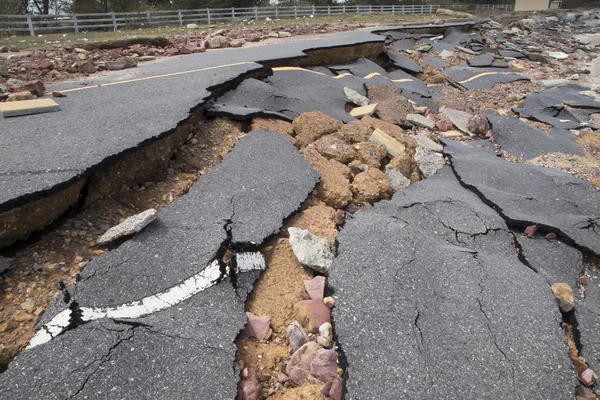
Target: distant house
point(535, 5)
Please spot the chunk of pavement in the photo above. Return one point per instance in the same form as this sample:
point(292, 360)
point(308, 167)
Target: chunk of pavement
point(397, 180)
point(130, 226)
point(257, 327)
point(393, 146)
point(429, 162)
point(558, 55)
point(371, 186)
point(356, 97)
point(256, 186)
point(531, 194)
point(315, 287)
point(587, 310)
point(511, 53)
point(335, 148)
point(158, 348)
point(446, 54)
point(404, 63)
point(484, 60)
point(311, 126)
point(550, 83)
point(427, 144)
point(524, 140)
point(28, 107)
point(440, 254)
point(360, 112)
point(324, 366)
point(460, 119)
point(564, 296)
point(311, 314)
point(249, 386)
point(296, 335)
point(553, 259)
point(298, 367)
point(311, 250)
point(420, 120)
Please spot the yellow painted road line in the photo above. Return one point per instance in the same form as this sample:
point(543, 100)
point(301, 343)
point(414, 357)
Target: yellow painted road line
point(478, 76)
point(156, 76)
point(401, 80)
point(296, 69)
point(342, 75)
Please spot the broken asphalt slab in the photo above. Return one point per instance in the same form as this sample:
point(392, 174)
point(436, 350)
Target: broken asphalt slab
point(523, 140)
point(481, 78)
point(527, 194)
point(431, 298)
point(240, 202)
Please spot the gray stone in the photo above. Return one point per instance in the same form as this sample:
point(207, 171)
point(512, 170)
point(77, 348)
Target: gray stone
point(284, 34)
point(552, 19)
point(217, 42)
point(570, 17)
point(528, 194)
point(446, 54)
point(460, 119)
point(356, 97)
point(4, 71)
point(273, 35)
point(467, 315)
point(420, 120)
point(191, 26)
point(130, 226)
point(397, 180)
point(550, 83)
point(429, 162)
point(558, 55)
point(428, 144)
point(311, 250)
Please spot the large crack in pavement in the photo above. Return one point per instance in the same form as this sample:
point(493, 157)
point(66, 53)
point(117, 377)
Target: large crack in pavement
point(269, 180)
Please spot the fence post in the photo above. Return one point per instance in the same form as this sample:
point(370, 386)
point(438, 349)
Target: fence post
point(357, 10)
point(313, 10)
point(255, 13)
point(232, 14)
point(208, 15)
point(148, 16)
point(328, 10)
point(180, 18)
point(114, 21)
point(344, 9)
point(393, 9)
point(370, 10)
point(75, 25)
point(276, 12)
point(30, 23)
point(295, 11)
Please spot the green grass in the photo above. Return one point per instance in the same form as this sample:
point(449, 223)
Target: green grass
point(25, 42)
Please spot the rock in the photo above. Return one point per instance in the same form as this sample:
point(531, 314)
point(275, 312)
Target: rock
point(4, 71)
point(36, 88)
point(397, 180)
point(527, 23)
point(336, 389)
point(339, 218)
point(146, 58)
point(299, 365)
point(296, 335)
point(563, 296)
point(460, 119)
point(257, 327)
point(334, 187)
point(584, 393)
point(217, 42)
point(326, 331)
point(428, 161)
point(87, 67)
point(329, 301)
point(370, 153)
point(420, 120)
point(552, 19)
point(121, 63)
point(570, 17)
point(318, 219)
point(550, 83)
point(587, 377)
point(235, 43)
point(444, 124)
point(537, 57)
point(428, 144)
point(311, 314)
point(324, 365)
point(284, 34)
point(517, 67)
point(20, 96)
point(392, 146)
point(530, 231)
point(58, 94)
point(130, 226)
point(452, 13)
point(249, 386)
point(403, 163)
point(354, 132)
point(273, 35)
point(315, 287)
point(311, 126)
point(558, 55)
point(28, 306)
point(484, 60)
point(445, 54)
point(356, 97)
point(478, 124)
point(424, 48)
point(3, 49)
point(191, 26)
point(334, 148)
point(574, 77)
point(370, 186)
point(310, 250)
point(360, 112)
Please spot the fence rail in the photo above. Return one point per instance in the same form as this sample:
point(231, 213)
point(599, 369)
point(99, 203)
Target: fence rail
point(36, 24)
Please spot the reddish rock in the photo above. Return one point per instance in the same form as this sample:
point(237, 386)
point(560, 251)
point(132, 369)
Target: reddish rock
point(584, 393)
point(315, 287)
point(36, 88)
point(551, 235)
point(588, 377)
point(254, 38)
point(583, 280)
point(20, 96)
point(296, 335)
point(311, 314)
point(563, 296)
point(172, 51)
point(479, 125)
point(339, 218)
point(87, 67)
point(324, 365)
point(46, 64)
point(530, 231)
point(256, 327)
point(337, 387)
point(444, 125)
point(249, 386)
point(352, 208)
point(580, 365)
point(299, 365)
point(58, 94)
point(238, 42)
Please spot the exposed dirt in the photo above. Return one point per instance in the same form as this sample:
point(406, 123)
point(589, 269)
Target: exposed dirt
point(51, 259)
